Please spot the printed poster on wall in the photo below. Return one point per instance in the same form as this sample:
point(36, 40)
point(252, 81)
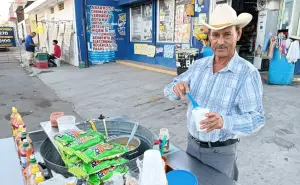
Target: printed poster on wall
point(169, 51)
point(136, 28)
point(122, 24)
point(182, 25)
point(144, 49)
point(166, 21)
point(140, 49)
point(141, 24)
point(101, 34)
point(7, 37)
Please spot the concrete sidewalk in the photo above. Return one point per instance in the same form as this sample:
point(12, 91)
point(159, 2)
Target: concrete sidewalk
point(269, 157)
point(34, 100)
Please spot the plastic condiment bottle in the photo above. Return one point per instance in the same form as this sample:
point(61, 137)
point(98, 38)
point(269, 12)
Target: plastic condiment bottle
point(21, 136)
point(27, 171)
point(164, 132)
point(19, 125)
point(25, 152)
point(13, 118)
point(23, 155)
point(20, 142)
point(34, 171)
point(39, 178)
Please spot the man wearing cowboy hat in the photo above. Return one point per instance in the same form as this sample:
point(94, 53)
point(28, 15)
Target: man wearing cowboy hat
point(229, 86)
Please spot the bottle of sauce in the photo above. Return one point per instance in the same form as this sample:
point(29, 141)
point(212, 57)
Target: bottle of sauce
point(20, 142)
point(13, 118)
point(164, 132)
point(18, 125)
point(21, 136)
point(31, 179)
point(39, 178)
point(28, 171)
point(25, 152)
point(23, 155)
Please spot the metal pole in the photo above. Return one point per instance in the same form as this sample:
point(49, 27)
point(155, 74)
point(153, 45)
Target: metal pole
point(84, 33)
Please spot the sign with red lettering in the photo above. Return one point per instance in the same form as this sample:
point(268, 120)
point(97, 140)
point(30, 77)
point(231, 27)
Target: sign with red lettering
point(101, 33)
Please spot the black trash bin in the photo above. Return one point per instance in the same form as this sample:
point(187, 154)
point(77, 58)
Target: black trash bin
point(185, 58)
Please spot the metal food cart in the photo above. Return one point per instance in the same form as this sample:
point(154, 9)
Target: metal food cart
point(177, 158)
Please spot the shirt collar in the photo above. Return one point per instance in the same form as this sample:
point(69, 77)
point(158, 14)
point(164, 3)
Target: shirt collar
point(231, 66)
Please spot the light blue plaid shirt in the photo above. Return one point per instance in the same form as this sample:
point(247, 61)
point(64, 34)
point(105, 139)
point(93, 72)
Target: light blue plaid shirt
point(235, 93)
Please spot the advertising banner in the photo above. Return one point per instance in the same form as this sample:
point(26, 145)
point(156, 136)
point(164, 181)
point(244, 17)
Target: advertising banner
point(7, 37)
point(104, 24)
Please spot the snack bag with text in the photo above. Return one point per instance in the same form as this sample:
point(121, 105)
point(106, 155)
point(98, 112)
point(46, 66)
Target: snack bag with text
point(102, 151)
point(106, 174)
point(85, 169)
point(83, 142)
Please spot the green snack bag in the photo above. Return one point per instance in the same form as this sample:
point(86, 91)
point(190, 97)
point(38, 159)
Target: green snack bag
point(69, 136)
point(102, 151)
point(106, 174)
point(84, 142)
point(70, 161)
point(85, 169)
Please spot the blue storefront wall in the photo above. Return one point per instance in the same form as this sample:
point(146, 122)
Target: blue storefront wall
point(160, 60)
point(81, 15)
point(125, 47)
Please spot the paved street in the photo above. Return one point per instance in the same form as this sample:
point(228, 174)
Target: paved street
point(269, 157)
point(33, 98)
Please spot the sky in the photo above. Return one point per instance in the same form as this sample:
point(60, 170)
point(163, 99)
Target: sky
point(4, 9)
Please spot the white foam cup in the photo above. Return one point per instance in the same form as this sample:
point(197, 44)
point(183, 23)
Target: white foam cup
point(199, 115)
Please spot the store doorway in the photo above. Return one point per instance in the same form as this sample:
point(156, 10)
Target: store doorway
point(246, 45)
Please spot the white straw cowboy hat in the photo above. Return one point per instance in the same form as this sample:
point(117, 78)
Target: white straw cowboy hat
point(224, 16)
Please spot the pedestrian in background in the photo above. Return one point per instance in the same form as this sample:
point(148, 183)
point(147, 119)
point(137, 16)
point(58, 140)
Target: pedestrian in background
point(55, 55)
point(30, 47)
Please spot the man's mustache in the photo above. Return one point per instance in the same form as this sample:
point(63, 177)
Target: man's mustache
point(221, 47)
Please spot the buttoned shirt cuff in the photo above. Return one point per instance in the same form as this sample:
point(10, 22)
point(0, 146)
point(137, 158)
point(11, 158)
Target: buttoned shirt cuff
point(227, 123)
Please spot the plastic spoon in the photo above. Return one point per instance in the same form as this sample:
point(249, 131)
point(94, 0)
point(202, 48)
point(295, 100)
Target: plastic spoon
point(132, 133)
point(164, 141)
point(101, 117)
point(194, 103)
point(105, 128)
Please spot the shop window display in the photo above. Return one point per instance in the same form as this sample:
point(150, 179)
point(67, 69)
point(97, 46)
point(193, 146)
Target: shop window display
point(173, 24)
point(141, 23)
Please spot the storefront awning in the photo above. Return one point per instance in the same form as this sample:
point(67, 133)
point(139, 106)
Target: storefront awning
point(125, 2)
point(39, 5)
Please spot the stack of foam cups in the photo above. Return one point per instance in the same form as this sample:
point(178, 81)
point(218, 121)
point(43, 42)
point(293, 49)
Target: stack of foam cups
point(153, 172)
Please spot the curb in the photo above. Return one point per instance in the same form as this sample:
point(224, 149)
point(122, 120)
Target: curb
point(148, 68)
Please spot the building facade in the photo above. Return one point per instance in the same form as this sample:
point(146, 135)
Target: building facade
point(144, 31)
point(149, 31)
point(53, 20)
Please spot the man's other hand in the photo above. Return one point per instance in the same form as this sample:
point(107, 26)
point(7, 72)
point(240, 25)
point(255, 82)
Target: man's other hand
point(213, 121)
